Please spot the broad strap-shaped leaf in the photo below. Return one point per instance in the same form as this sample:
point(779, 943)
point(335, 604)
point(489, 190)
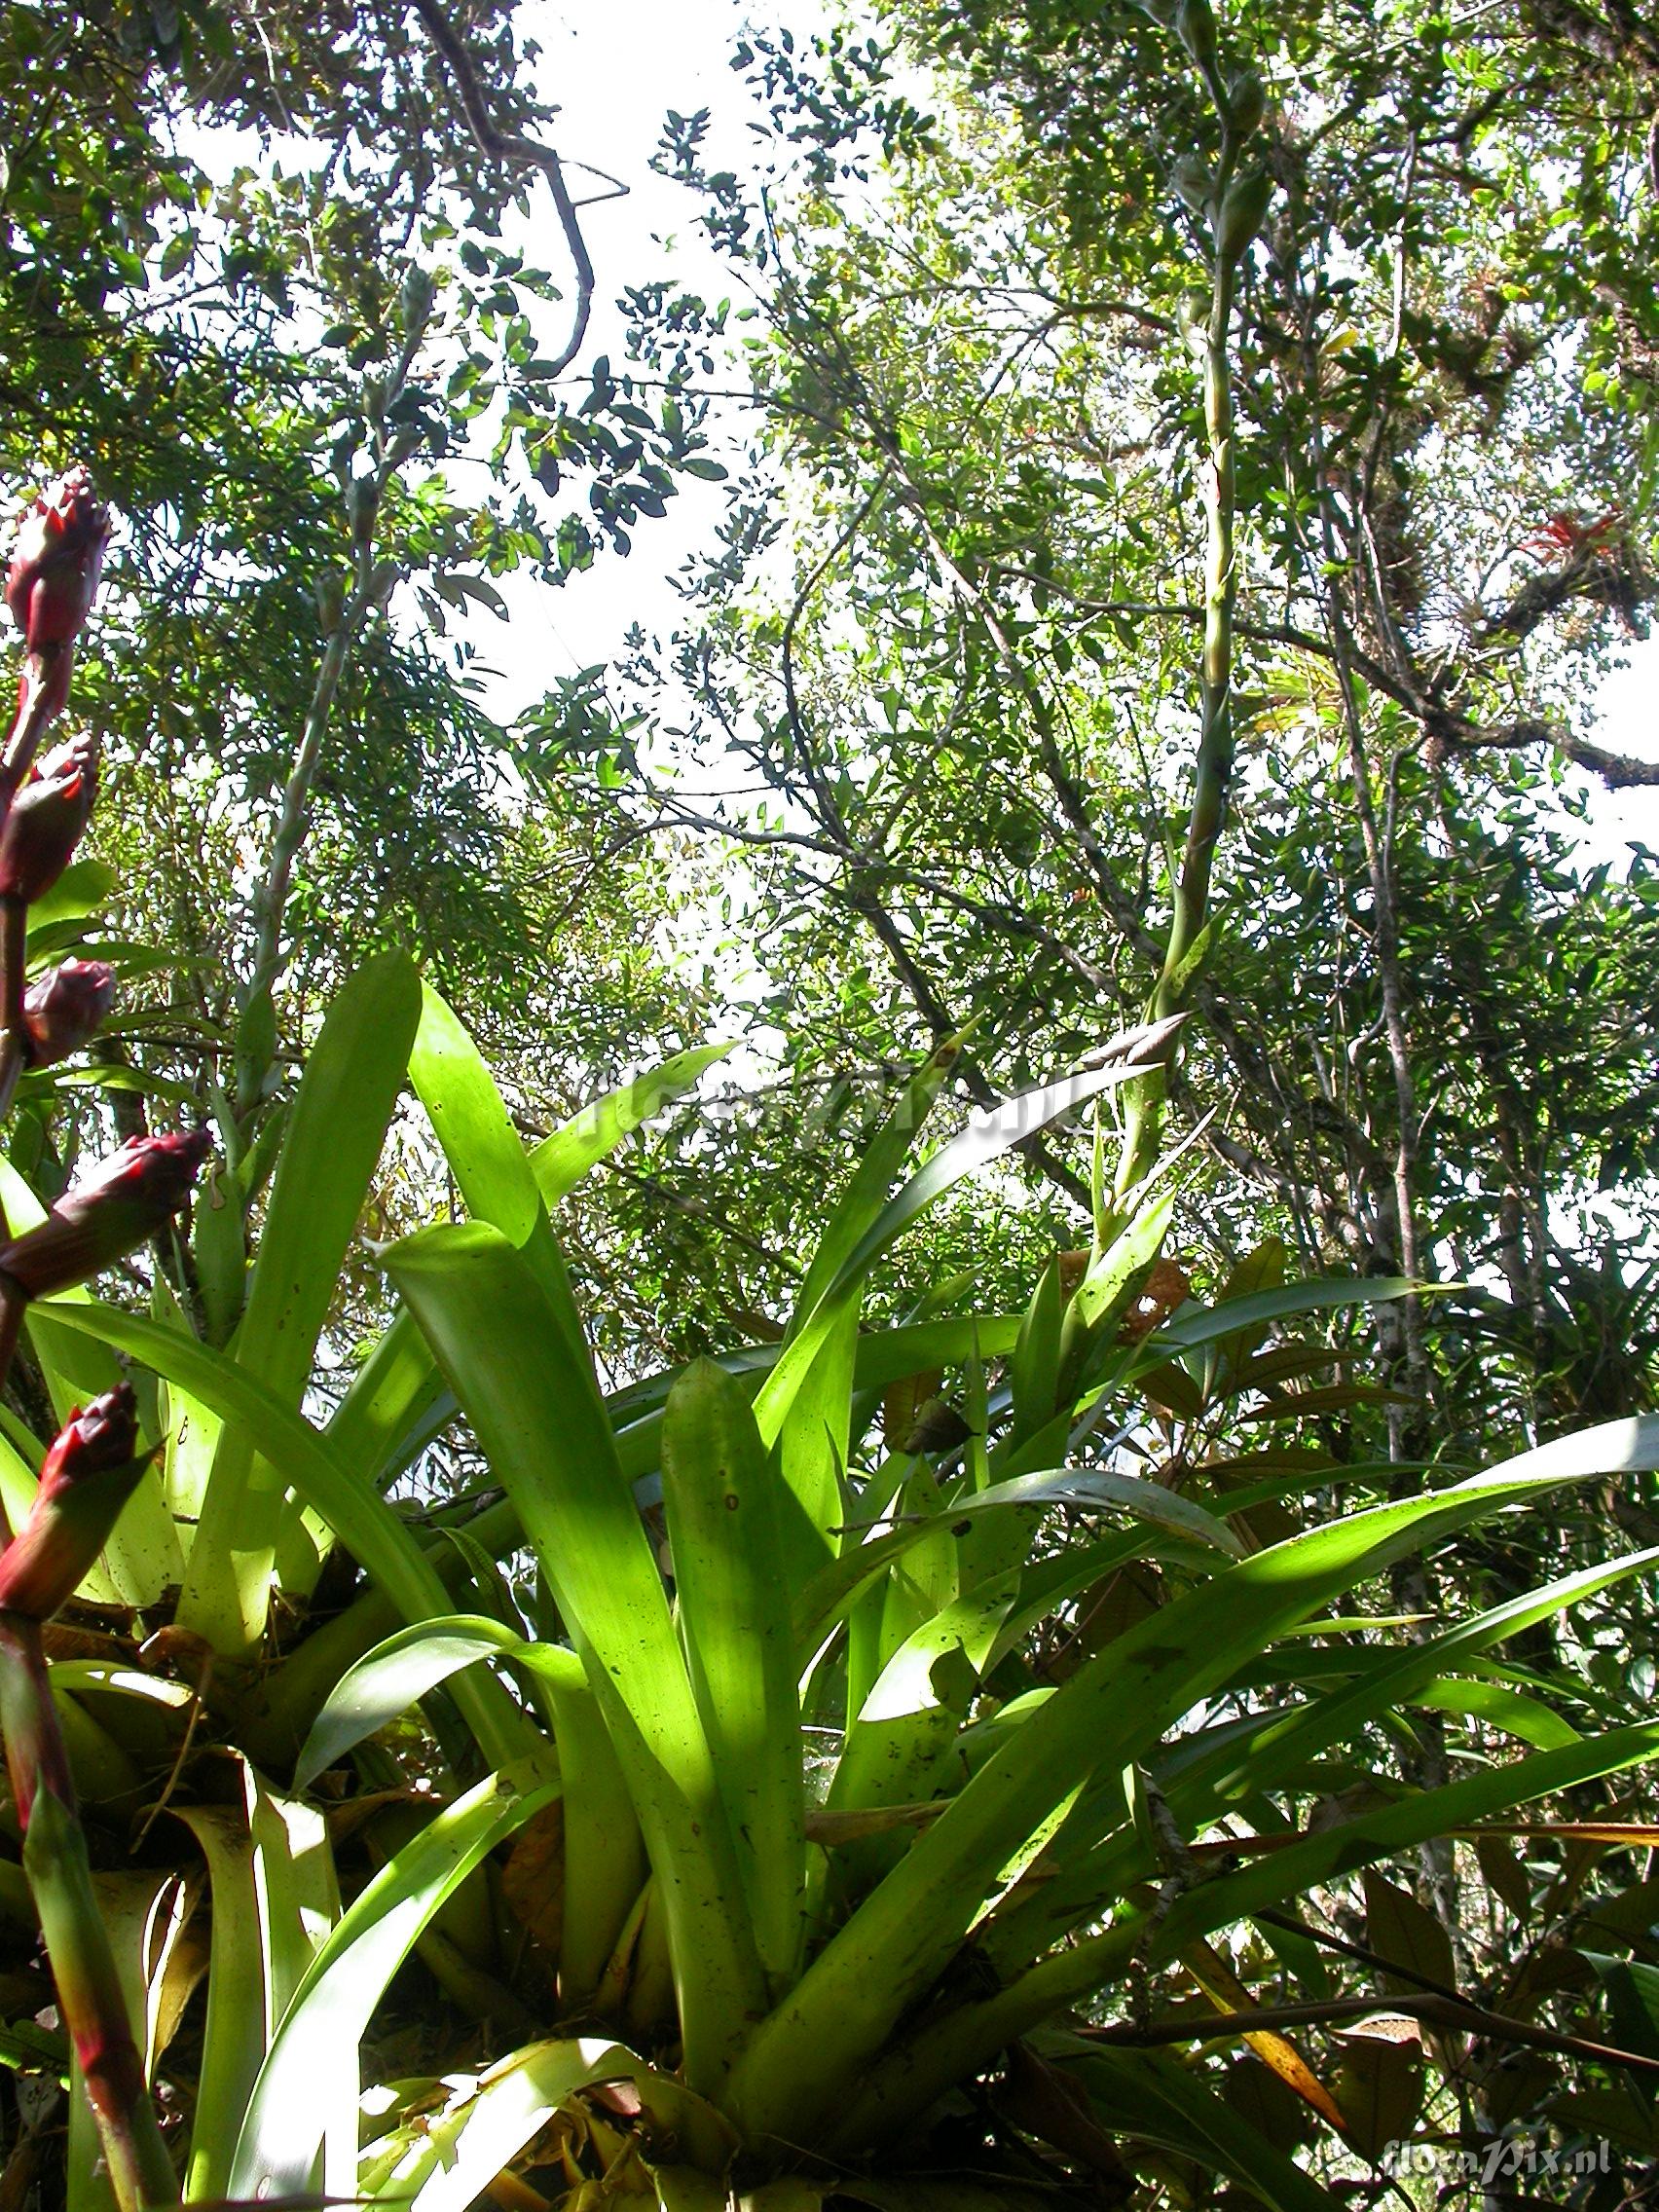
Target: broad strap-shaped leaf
point(720, 1496)
point(397, 1397)
point(1150, 2097)
point(316, 2045)
point(804, 1406)
point(1228, 1994)
point(604, 1857)
point(885, 1356)
point(376, 1537)
point(458, 2152)
point(535, 1409)
point(896, 1749)
point(880, 1356)
point(329, 1156)
point(471, 1121)
point(1293, 1740)
point(1034, 1372)
point(274, 1897)
point(561, 1161)
point(988, 1137)
point(1210, 1778)
point(1501, 1708)
point(1104, 1291)
point(963, 2042)
point(1111, 1714)
point(1392, 1828)
point(396, 1674)
point(1197, 1325)
point(389, 1404)
point(606, 1867)
point(819, 1604)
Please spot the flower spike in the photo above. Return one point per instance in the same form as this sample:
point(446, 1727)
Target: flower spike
point(65, 1009)
point(57, 562)
point(88, 1476)
point(125, 1200)
point(48, 819)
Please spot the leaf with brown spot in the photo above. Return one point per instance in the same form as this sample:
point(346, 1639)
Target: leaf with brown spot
point(1165, 1287)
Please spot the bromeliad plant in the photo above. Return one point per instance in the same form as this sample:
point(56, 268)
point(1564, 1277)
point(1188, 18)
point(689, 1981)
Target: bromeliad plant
point(870, 1774)
point(831, 1886)
point(816, 1971)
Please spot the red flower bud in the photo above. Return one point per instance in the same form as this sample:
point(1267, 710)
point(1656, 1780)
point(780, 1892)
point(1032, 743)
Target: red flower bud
point(126, 1199)
point(105, 1434)
point(48, 819)
point(88, 1476)
point(65, 1008)
point(56, 561)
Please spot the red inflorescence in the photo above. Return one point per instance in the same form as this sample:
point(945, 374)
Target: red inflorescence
point(125, 1200)
point(66, 1008)
point(56, 561)
point(48, 819)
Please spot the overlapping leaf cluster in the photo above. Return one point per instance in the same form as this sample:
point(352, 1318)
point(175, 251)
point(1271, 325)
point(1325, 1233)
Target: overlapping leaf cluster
point(889, 1798)
point(943, 1751)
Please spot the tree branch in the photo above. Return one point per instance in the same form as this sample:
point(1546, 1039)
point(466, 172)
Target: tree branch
point(1454, 2012)
point(518, 153)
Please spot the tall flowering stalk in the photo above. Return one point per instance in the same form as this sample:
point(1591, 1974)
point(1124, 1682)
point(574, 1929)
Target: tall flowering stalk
point(95, 1463)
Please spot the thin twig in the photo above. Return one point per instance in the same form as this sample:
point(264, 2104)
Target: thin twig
point(518, 153)
point(1438, 2011)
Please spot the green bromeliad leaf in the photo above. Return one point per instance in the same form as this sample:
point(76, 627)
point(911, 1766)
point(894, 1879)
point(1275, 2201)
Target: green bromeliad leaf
point(315, 2047)
point(448, 2159)
point(329, 1156)
point(535, 1408)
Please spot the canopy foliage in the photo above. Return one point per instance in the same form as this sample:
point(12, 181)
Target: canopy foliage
point(1185, 478)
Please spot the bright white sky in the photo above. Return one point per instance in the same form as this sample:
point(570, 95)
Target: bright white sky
point(1629, 722)
point(616, 71)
